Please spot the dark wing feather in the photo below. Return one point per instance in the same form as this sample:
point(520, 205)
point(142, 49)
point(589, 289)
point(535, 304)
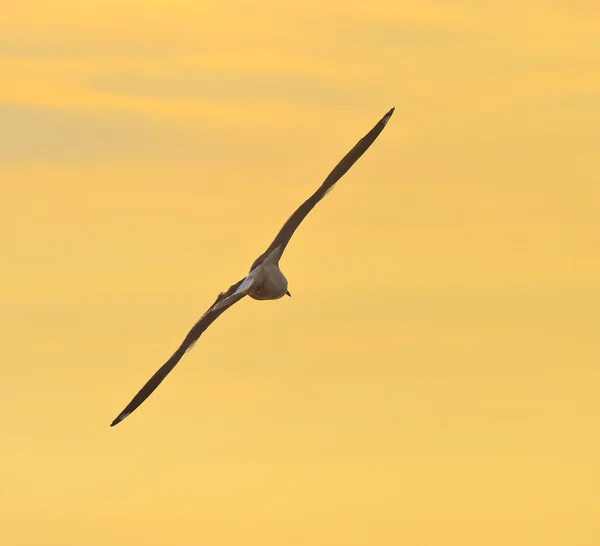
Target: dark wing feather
point(288, 229)
point(194, 334)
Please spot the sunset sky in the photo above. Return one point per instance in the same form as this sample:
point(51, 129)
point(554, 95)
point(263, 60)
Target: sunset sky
point(433, 381)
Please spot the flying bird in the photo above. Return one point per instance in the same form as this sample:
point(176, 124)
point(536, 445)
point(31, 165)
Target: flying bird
point(265, 280)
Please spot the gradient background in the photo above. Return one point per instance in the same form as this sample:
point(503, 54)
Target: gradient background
point(433, 381)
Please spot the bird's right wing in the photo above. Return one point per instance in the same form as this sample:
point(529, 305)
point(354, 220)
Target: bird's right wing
point(223, 302)
point(288, 229)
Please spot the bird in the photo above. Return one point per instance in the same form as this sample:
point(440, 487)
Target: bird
point(265, 281)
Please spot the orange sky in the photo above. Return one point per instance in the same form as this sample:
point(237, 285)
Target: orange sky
point(434, 379)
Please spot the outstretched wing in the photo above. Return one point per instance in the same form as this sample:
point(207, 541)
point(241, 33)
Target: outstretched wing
point(288, 229)
point(223, 302)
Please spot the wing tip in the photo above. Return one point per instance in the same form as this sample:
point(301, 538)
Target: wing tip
point(387, 117)
point(119, 419)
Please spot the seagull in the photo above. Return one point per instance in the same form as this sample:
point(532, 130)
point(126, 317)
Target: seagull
point(265, 280)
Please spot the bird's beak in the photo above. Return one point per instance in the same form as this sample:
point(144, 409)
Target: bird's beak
point(288, 294)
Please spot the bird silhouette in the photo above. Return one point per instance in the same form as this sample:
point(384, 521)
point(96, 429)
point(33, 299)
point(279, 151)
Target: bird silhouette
point(265, 280)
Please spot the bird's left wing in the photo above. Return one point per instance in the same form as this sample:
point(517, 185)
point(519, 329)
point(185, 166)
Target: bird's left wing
point(223, 302)
point(292, 223)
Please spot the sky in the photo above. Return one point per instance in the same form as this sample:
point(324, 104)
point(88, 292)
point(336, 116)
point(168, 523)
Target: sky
point(433, 381)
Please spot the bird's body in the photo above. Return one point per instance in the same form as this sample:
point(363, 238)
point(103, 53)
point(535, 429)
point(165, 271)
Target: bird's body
point(269, 284)
point(265, 280)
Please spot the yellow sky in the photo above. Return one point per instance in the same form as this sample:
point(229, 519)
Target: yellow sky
point(434, 379)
